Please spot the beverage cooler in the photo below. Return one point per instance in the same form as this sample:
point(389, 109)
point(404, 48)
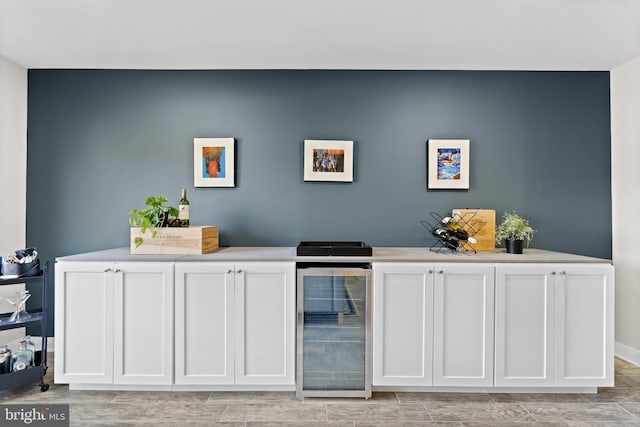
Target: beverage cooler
point(333, 330)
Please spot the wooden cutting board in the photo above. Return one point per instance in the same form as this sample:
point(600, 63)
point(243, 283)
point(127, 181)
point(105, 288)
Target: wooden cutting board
point(479, 223)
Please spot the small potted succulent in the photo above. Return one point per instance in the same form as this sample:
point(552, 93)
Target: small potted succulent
point(514, 230)
point(156, 215)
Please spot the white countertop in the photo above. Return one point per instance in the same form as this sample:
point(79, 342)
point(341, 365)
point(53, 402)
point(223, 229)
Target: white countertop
point(380, 254)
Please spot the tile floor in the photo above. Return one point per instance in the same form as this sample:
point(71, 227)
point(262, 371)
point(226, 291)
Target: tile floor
point(619, 406)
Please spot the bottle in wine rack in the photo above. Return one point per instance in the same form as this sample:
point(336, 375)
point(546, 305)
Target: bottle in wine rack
point(454, 228)
point(446, 238)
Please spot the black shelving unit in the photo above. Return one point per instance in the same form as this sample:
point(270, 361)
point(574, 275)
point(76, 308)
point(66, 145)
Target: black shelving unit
point(38, 317)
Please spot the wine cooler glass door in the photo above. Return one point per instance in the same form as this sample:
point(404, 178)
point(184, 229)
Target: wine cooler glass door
point(333, 357)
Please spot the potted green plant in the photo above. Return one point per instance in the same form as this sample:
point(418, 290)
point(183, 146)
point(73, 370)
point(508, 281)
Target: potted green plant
point(514, 230)
point(155, 215)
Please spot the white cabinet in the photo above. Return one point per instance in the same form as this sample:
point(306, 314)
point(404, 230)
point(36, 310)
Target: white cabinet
point(235, 323)
point(463, 318)
point(433, 324)
point(584, 326)
point(143, 323)
point(265, 327)
point(226, 325)
point(84, 322)
point(114, 323)
point(402, 324)
point(554, 325)
point(205, 316)
point(525, 316)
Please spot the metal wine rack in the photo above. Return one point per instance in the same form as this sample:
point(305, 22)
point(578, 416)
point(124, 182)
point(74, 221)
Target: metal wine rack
point(465, 221)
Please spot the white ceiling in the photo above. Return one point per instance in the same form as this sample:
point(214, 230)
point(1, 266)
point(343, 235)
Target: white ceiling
point(321, 34)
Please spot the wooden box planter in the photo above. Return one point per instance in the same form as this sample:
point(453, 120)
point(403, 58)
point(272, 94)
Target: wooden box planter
point(176, 240)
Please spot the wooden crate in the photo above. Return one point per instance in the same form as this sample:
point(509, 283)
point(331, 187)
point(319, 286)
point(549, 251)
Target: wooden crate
point(481, 220)
point(176, 240)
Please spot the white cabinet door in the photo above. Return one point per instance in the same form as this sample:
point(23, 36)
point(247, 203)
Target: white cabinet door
point(463, 325)
point(525, 316)
point(265, 323)
point(84, 323)
point(143, 335)
point(584, 325)
point(204, 332)
point(402, 324)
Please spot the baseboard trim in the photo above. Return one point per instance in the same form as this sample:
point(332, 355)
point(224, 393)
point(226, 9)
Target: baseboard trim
point(627, 353)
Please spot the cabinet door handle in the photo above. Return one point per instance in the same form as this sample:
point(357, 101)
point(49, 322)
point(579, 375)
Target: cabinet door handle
point(553, 273)
point(106, 270)
point(430, 271)
point(563, 272)
point(440, 271)
point(118, 270)
point(239, 271)
point(229, 271)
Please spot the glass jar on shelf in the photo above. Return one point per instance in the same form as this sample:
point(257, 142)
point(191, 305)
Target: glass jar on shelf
point(5, 360)
point(31, 346)
point(23, 358)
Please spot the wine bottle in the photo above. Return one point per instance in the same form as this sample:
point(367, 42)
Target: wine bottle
point(183, 209)
point(454, 227)
point(446, 238)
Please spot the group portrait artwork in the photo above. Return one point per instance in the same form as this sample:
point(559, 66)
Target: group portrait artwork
point(328, 160)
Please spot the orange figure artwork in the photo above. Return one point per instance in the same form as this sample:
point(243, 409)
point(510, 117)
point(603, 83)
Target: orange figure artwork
point(213, 160)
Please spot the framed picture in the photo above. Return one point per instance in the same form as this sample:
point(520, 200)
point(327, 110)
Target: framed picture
point(326, 160)
point(448, 164)
point(213, 162)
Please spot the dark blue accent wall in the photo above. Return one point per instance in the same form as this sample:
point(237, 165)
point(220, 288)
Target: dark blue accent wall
point(100, 141)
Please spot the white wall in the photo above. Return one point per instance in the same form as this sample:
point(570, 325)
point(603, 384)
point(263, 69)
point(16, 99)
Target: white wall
point(13, 155)
point(13, 169)
point(625, 181)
